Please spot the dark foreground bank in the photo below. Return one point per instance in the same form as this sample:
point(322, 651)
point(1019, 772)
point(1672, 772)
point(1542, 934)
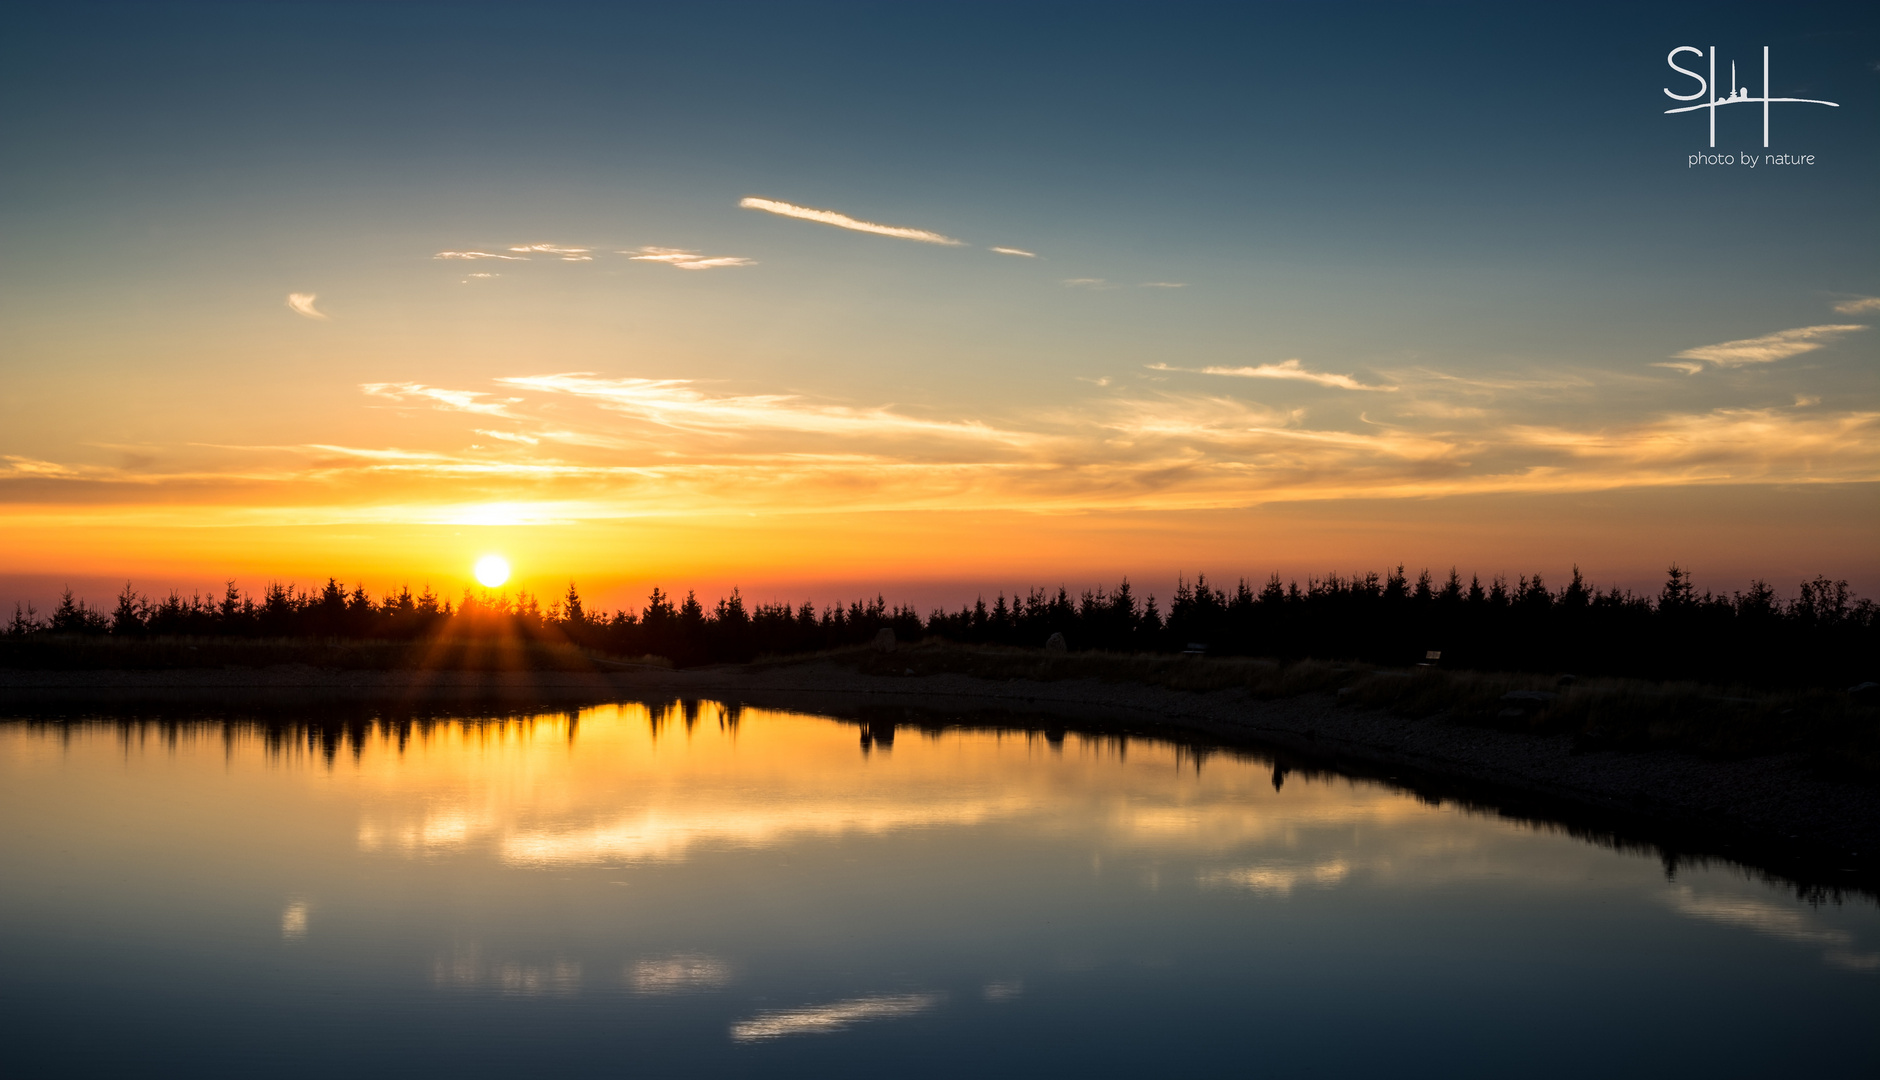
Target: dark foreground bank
point(1784, 784)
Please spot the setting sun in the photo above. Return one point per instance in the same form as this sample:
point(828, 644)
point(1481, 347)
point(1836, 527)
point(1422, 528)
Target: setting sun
point(492, 570)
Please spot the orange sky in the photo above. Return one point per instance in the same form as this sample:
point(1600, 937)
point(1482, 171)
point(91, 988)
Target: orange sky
point(911, 332)
point(1727, 535)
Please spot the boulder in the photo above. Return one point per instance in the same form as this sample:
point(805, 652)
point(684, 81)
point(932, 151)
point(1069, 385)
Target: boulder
point(1055, 643)
point(884, 640)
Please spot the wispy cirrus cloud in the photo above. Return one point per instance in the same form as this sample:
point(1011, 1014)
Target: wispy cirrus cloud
point(566, 254)
point(681, 404)
point(1858, 305)
point(577, 445)
point(1285, 369)
point(1100, 284)
point(1713, 446)
point(301, 303)
point(844, 221)
point(1162, 452)
point(1689, 367)
point(1021, 252)
point(686, 260)
point(438, 397)
point(511, 436)
point(16, 466)
point(1759, 350)
point(472, 255)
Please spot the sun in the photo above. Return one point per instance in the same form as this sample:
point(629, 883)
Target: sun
point(492, 570)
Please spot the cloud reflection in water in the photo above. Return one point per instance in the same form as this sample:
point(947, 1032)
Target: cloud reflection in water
point(644, 791)
point(466, 969)
point(678, 975)
point(666, 834)
point(1274, 880)
point(1763, 917)
point(829, 1019)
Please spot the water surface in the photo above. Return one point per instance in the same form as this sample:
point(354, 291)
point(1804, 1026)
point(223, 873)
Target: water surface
point(708, 890)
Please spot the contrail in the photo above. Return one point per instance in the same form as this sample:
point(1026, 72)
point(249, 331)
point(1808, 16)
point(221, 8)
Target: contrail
point(843, 221)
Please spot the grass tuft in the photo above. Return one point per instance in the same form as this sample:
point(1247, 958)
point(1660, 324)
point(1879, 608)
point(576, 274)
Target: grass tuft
point(1838, 732)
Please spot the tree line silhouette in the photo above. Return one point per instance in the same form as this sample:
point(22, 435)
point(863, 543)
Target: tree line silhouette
point(1824, 635)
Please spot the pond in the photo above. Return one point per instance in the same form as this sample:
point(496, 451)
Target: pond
point(705, 889)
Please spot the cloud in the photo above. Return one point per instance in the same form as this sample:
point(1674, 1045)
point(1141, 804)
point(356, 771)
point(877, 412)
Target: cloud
point(302, 304)
point(1086, 283)
point(1766, 349)
point(453, 400)
point(17, 467)
point(612, 448)
point(568, 254)
point(479, 255)
point(1163, 285)
point(1286, 369)
point(1855, 307)
point(679, 404)
point(1728, 445)
point(1016, 251)
point(389, 454)
point(843, 221)
point(1689, 367)
point(686, 260)
point(510, 436)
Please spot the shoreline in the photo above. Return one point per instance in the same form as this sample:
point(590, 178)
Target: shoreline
point(1776, 814)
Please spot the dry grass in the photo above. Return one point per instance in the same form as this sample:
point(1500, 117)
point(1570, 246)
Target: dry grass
point(1842, 734)
point(1265, 678)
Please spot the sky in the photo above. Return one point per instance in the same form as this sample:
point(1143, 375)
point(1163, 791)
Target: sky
point(821, 300)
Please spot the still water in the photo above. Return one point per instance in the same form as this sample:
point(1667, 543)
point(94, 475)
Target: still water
point(700, 890)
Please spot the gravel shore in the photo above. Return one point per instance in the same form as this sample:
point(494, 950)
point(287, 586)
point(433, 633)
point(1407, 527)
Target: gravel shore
point(1776, 814)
